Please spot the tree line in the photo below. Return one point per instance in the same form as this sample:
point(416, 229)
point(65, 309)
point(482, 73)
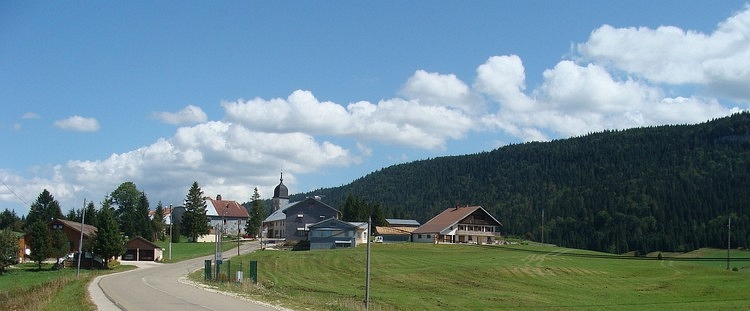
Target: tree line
point(660, 188)
point(123, 214)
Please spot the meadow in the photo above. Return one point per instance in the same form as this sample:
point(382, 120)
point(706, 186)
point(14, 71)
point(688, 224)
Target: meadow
point(412, 276)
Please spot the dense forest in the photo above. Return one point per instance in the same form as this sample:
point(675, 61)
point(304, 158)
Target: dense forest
point(665, 188)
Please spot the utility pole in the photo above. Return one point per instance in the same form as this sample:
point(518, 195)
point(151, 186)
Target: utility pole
point(367, 281)
point(170, 231)
point(729, 239)
point(80, 241)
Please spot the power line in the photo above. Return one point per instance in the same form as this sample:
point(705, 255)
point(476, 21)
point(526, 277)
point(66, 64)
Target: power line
point(14, 193)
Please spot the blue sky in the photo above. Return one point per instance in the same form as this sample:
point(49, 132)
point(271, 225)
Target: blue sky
point(230, 93)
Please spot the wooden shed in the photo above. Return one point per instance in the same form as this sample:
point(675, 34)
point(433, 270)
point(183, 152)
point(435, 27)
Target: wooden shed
point(140, 249)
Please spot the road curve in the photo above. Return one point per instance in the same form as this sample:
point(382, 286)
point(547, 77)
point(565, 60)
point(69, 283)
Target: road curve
point(155, 286)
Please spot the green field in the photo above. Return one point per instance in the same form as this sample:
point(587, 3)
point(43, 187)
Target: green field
point(185, 250)
point(413, 276)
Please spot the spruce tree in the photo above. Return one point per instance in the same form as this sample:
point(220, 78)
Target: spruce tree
point(108, 242)
point(59, 245)
point(45, 208)
point(157, 223)
point(8, 249)
point(194, 220)
point(257, 215)
point(40, 242)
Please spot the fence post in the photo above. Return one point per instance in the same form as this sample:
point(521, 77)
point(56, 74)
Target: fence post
point(254, 271)
point(207, 269)
point(229, 269)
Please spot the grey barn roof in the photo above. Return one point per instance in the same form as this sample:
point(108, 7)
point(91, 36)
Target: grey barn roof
point(401, 222)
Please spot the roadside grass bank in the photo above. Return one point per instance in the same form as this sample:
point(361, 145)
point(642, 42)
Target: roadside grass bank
point(186, 250)
point(26, 288)
point(411, 276)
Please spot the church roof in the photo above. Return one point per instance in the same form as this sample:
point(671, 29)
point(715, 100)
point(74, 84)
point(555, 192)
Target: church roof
point(281, 191)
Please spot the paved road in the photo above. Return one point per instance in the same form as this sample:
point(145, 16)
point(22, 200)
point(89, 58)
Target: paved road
point(155, 286)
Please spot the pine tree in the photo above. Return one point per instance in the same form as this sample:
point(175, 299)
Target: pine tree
point(8, 249)
point(89, 216)
point(59, 245)
point(40, 242)
point(194, 220)
point(45, 208)
point(145, 226)
point(157, 222)
point(108, 242)
point(257, 215)
point(9, 219)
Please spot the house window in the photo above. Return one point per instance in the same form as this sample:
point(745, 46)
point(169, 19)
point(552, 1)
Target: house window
point(57, 226)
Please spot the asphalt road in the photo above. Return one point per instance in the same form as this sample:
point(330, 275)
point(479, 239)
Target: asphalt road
point(155, 286)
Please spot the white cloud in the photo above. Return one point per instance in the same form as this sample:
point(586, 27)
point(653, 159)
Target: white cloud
point(719, 60)
point(411, 123)
point(30, 115)
point(225, 158)
point(579, 99)
point(78, 124)
point(434, 89)
point(502, 78)
point(188, 115)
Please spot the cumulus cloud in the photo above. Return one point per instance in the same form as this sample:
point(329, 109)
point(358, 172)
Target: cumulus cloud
point(502, 78)
point(78, 124)
point(187, 116)
point(412, 123)
point(223, 157)
point(668, 54)
point(434, 89)
point(579, 99)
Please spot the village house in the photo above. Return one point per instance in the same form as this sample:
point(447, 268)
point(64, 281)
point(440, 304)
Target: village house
point(229, 216)
point(334, 233)
point(467, 224)
point(304, 213)
point(72, 231)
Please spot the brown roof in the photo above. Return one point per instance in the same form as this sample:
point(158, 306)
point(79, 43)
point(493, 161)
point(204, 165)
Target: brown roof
point(448, 218)
point(88, 230)
point(229, 208)
point(394, 230)
point(140, 242)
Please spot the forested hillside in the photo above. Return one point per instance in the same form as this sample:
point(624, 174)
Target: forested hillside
point(667, 188)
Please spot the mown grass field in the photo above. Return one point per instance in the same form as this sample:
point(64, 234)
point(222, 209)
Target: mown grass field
point(413, 276)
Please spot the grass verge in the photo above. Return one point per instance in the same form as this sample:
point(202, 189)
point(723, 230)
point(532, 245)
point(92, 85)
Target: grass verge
point(413, 276)
point(26, 288)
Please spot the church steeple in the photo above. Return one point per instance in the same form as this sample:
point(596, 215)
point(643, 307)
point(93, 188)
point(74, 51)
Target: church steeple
point(280, 194)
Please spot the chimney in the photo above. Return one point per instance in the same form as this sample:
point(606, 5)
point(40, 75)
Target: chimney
point(218, 197)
